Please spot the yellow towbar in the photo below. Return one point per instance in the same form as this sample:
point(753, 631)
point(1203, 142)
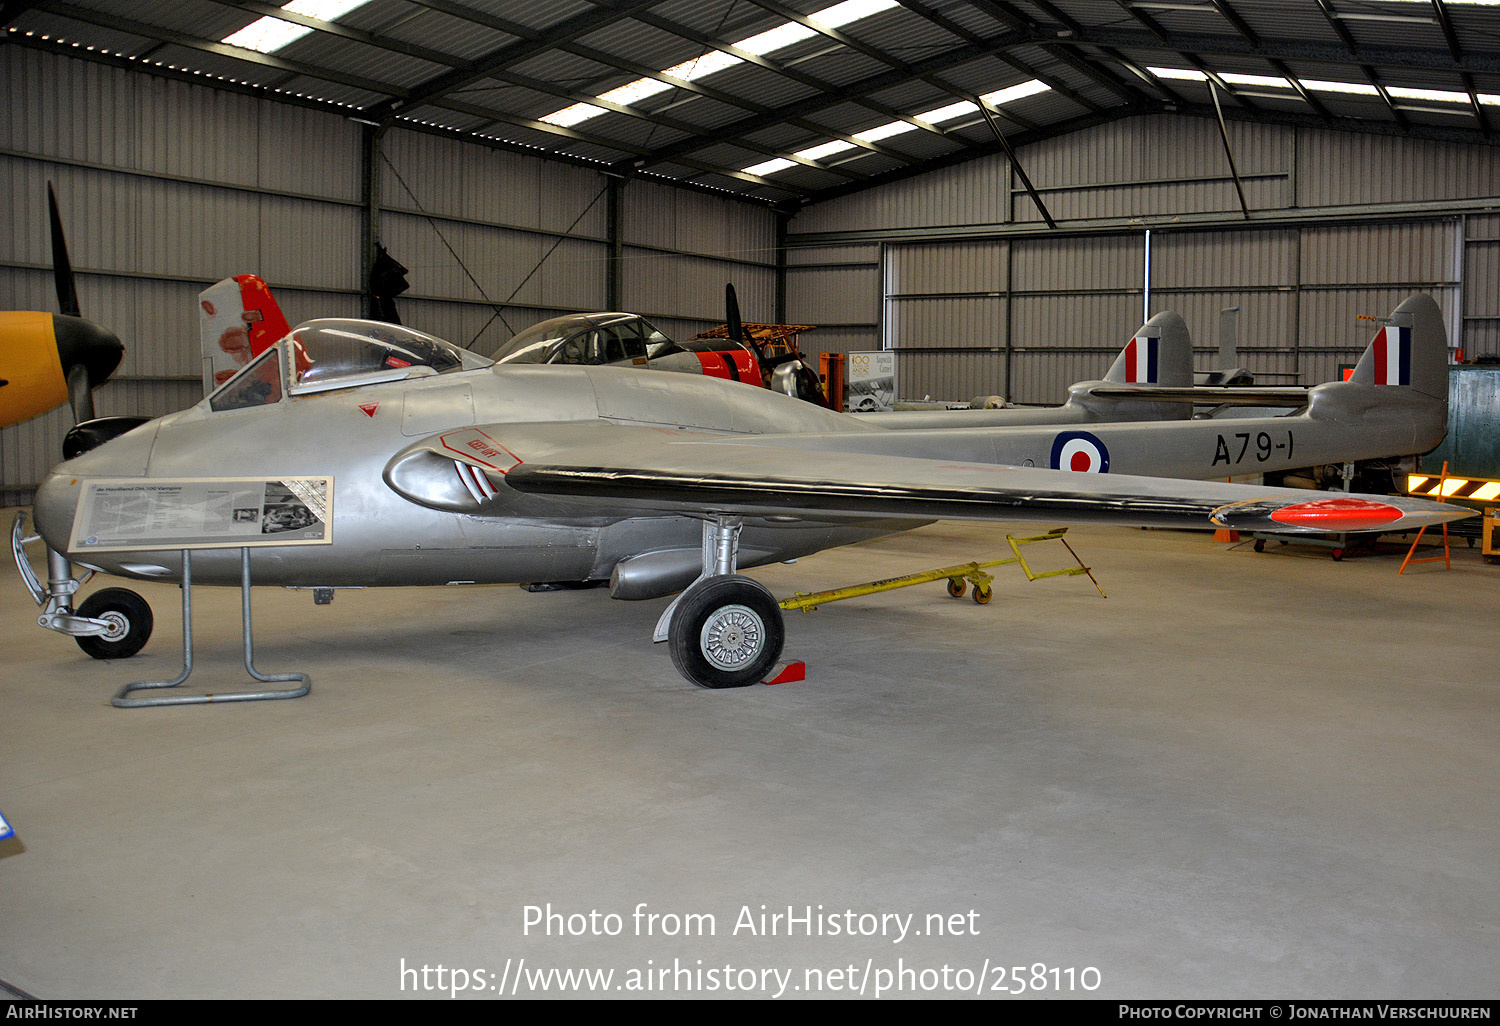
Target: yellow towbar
point(959, 577)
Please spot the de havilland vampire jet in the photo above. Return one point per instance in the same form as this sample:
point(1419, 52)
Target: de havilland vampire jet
point(1157, 359)
point(382, 456)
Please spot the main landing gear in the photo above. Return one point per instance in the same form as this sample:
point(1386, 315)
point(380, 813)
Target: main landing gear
point(725, 630)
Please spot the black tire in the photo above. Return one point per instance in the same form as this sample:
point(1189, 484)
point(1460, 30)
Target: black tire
point(131, 619)
point(1260, 545)
point(957, 586)
point(727, 632)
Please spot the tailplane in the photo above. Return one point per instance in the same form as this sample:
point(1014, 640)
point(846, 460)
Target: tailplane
point(238, 319)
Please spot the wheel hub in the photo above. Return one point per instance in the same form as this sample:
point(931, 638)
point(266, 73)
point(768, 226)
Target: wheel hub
point(732, 637)
point(119, 626)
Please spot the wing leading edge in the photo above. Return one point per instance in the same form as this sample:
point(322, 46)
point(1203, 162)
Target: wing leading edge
point(678, 473)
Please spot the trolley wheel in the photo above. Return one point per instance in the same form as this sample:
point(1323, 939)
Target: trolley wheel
point(130, 622)
point(957, 586)
point(982, 595)
point(727, 632)
point(1337, 554)
point(1260, 545)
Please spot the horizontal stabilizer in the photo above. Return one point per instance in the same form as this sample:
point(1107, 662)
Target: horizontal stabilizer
point(1208, 395)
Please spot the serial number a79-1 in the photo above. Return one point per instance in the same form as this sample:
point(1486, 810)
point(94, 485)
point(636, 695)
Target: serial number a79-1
point(1258, 447)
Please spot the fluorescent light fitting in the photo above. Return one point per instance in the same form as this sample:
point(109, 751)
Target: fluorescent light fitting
point(884, 131)
point(1184, 74)
point(1403, 19)
point(849, 11)
point(775, 39)
point(953, 110)
point(827, 149)
point(1355, 88)
point(631, 92)
point(267, 35)
point(1268, 81)
point(570, 116)
point(1440, 95)
point(1010, 94)
point(778, 38)
point(714, 60)
point(936, 116)
point(769, 167)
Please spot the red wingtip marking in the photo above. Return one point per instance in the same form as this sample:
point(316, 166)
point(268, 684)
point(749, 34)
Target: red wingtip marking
point(1337, 514)
point(788, 673)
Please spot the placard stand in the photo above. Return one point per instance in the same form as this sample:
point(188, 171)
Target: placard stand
point(120, 700)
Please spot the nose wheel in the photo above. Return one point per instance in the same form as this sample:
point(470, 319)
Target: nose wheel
point(128, 622)
point(726, 632)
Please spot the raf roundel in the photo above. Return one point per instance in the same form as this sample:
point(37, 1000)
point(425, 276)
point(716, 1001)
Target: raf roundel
point(1080, 451)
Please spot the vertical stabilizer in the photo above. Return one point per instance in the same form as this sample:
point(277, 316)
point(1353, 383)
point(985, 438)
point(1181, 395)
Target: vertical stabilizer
point(1410, 351)
point(1160, 353)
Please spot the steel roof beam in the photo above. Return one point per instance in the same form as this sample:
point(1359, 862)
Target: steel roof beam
point(567, 30)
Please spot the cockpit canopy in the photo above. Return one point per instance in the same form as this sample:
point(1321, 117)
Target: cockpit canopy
point(334, 353)
point(590, 339)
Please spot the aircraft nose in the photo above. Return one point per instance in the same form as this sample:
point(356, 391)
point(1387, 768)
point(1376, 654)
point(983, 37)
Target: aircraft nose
point(52, 509)
point(57, 497)
point(82, 343)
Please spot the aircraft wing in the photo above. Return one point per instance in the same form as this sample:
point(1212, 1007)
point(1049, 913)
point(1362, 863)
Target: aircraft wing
point(677, 471)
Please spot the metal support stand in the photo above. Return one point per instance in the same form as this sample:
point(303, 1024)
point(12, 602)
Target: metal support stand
point(122, 702)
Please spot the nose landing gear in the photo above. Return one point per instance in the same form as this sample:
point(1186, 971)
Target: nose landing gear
point(115, 623)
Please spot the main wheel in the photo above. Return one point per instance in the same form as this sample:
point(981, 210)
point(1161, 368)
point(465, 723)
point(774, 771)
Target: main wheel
point(727, 632)
point(130, 622)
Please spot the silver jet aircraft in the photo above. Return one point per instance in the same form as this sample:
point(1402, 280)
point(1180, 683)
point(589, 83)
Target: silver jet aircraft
point(439, 468)
point(1157, 358)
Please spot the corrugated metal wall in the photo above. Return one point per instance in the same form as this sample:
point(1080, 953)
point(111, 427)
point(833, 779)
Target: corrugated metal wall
point(1057, 307)
point(167, 187)
point(837, 289)
point(1481, 313)
point(681, 248)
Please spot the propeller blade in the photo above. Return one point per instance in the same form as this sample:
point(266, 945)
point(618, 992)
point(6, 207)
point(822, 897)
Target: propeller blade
point(80, 393)
point(732, 314)
point(62, 268)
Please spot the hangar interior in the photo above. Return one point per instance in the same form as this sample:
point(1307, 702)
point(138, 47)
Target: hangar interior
point(1242, 775)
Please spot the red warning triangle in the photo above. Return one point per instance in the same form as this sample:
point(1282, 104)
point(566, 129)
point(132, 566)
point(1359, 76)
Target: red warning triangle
point(369, 408)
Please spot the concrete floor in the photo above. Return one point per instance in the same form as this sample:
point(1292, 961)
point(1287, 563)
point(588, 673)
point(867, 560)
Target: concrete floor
point(1240, 776)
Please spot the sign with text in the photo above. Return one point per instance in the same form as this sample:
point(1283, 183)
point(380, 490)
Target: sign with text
point(203, 513)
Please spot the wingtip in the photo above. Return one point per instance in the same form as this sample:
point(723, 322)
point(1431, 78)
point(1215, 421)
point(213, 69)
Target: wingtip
point(1345, 514)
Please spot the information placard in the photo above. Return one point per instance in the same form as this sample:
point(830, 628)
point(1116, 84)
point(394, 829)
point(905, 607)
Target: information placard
point(127, 514)
point(871, 381)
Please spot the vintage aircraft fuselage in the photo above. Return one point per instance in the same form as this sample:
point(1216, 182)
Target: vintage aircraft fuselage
point(381, 537)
